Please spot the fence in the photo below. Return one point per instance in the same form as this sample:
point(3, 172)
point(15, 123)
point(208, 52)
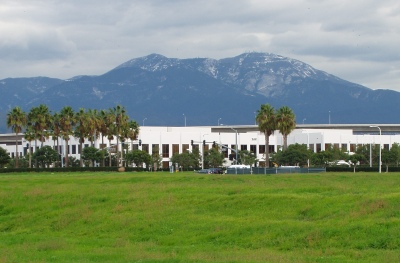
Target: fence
point(276, 170)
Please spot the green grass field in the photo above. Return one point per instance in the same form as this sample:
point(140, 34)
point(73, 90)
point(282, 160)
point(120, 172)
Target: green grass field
point(187, 217)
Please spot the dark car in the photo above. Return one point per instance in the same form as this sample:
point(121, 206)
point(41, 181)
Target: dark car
point(204, 171)
point(216, 171)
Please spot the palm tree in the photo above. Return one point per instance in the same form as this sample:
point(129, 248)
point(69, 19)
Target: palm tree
point(121, 120)
point(56, 127)
point(67, 122)
point(41, 120)
point(266, 120)
point(130, 131)
point(286, 123)
point(81, 130)
point(93, 125)
point(111, 128)
point(29, 135)
point(103, 129)
point(16, 119)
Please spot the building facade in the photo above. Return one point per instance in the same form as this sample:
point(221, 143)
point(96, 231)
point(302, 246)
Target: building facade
point(168, 141)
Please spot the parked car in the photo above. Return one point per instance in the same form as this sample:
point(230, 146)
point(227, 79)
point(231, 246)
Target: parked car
point(204, 171)
point(216, 170)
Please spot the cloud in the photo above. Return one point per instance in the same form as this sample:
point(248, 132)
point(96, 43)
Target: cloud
point(67, 38)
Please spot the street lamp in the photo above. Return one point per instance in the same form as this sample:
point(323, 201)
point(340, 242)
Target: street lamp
point(380, 146)
point(144, 120)
point(184, 116)
point(236, 150)
point(218, 121)
point(329, 117)
point(202, 152)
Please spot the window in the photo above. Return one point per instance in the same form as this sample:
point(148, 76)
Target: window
point(135, 147)
point(344, 147)
point(352, 147)
point(175, 149)
point(73, 149)
point(271, 148)
point(165, 150)
point(386, 147)
point(155, 148)
point(206, 147)
point(225, 150)
point(318, 147)
point(195, 147)
point(185, 148)
point(253, 149)
point(261, 149)
point(145, 148)
point(243, 147)
point(233, 146)
point(311, 147)
point(336, 146)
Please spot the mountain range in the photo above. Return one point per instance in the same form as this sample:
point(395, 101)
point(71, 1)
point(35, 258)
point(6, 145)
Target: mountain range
point(160, 91)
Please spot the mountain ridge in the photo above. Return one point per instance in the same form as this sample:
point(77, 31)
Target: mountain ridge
point(162, 89)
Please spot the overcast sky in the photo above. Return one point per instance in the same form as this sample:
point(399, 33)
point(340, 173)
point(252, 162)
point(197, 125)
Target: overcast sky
point(357, 40)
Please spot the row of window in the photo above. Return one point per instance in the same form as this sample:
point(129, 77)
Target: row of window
point(155, 148)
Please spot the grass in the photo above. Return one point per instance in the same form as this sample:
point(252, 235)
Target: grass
point(186, 217)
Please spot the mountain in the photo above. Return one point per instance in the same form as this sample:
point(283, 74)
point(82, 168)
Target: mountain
point(164, 91)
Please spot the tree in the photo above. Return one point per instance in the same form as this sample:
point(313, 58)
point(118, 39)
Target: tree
point(109, 120)
point(213, 158)
point(56, 127)
point(138, 157)
point(285, 122)
point(91, 154)
point(391, 157)
point(266, 120)
point(81, 129)
point(4, 157)
point(295, 154)
point(16, 119)
point(46, 156)
point(40, 119)
point(247, 158)
point(29, 135)
point(186, 159)
point(156, 161)
point(356, 159)
point(67, 122)
point(121, 120)
point(321, 158)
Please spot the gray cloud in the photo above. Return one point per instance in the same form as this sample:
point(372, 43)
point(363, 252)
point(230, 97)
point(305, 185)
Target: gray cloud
point(356, 40)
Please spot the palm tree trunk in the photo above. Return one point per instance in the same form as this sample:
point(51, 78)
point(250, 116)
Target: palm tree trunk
point(109, 142)
point(81, 160)
point(30, 154)
point(66, 152)
point(16, 150)
point(284, 142)
point(266, 151)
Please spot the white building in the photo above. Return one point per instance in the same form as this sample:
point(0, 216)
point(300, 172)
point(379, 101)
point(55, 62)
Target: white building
point(170, 140)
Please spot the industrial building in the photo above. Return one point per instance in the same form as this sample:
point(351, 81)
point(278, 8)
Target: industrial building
point(170, 140)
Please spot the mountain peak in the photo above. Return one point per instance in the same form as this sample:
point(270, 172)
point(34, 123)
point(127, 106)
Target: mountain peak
point(150, 62)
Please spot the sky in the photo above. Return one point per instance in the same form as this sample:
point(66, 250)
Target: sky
point(356, 40)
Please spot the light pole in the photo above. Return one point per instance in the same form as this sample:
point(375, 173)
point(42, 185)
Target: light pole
point(380, 146)
point(304, 120)
point(218, 121)
point(184, 116)
point(329, 117)
point(144, 120)
point(202, 152)
point(236, 147)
